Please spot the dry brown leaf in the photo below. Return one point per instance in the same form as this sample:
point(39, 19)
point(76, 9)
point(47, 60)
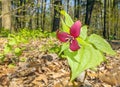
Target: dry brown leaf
point(39, 79)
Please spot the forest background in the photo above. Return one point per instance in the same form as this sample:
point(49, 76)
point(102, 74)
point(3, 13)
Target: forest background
point(101, 16)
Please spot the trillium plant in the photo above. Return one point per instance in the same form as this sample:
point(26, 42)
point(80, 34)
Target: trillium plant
point(82, 51)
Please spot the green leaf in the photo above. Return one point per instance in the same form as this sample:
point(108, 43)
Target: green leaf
point(7, 49)
point(83, 33)
point(54, 49)
point(64, 47)
point(23, 40)
point(2, 57)
point(18, 51)
point(65, 28)
point(68, 20)
point(72, 54)
point(101, 44)
point(74, 65)
point(23, 59)
point(62, 12)
point(11, 65)
point(88, 57)
point(52, 34)
point(12, 41)
point(96, 57)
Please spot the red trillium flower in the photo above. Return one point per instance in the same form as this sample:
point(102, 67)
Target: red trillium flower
point(74, 33)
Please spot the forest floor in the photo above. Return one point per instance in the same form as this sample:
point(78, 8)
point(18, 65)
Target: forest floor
point(44, 69)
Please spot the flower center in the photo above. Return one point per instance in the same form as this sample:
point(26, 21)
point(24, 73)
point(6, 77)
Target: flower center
point(70, 38)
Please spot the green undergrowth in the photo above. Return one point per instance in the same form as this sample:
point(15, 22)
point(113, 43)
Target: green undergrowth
point(4, 33)
point(24, 36)
point(32, 34)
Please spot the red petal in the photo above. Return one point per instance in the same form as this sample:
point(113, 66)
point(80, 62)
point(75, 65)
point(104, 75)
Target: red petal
point(75, 29)
point(74, 45)
point(62, 36)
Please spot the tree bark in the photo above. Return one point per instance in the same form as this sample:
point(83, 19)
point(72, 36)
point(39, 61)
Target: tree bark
point(6, 19)
point(37, 20)
point(44, 8)
point(68, 6)
point(75, 6)
point(24, 14)
point(77, 9)
point(89, 8)
point(0, 13)
point(56, 19)
point(104, 30)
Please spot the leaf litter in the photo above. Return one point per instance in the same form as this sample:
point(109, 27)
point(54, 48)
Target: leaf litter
point(44, 69)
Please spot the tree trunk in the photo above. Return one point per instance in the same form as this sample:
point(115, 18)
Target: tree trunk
point(0, 13)
point(115, 19)
point(17, 22)
point(42, 14)
point(21, 14)
point(56, 20)
point(51, 14)
point(6, 18)
point(89, 8)
point(104, 30)
point(68, 6)
point(37, 20)
point(77, 8)
point(44, 8)
point(24, 14)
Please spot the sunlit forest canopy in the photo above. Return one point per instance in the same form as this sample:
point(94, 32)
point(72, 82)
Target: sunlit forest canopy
point(101, 16)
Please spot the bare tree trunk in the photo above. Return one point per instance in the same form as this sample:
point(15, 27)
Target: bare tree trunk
point(109, 27)
point(89, 8)
point(0, 14)
point(104, 30)
point(42, 14)
point(75, 6)
point(51, 14)
point(68, 6)
point(38, 12)
point(6, 19)
point(24, 14)
point(17, 19)
point(44, 8)
point(21, 13)
point(116, 19)
point(56, 19)
point(77, 9)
